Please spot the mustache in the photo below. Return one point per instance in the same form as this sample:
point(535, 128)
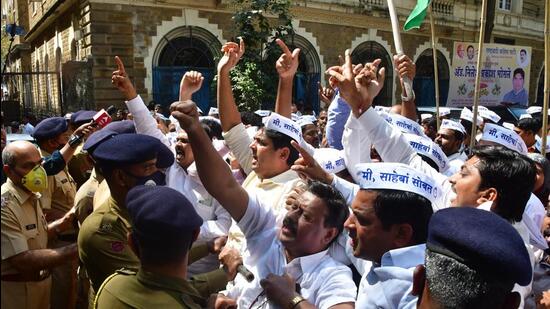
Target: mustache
point(290, 224)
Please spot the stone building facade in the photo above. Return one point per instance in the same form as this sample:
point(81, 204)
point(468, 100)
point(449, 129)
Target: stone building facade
point(159, 40)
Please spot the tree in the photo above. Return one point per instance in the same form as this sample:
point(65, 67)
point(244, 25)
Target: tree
point(255, 78)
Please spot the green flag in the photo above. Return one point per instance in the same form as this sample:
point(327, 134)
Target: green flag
point(417, 15)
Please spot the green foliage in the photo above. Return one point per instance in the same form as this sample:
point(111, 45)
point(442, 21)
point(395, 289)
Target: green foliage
point(255, 78)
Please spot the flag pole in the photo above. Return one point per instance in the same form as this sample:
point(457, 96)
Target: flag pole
point(546, 77)
point(407, 83)
point(478, 73)
point(436, 73)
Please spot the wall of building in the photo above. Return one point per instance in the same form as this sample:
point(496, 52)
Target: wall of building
point(112, 28)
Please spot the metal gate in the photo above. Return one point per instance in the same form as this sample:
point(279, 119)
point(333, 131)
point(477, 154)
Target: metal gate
point(31, 92)
point(166, 84)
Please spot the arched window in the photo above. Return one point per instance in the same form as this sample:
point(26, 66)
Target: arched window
point(368, 52)
point(305, 90)
point(184, 49)
point(424, 84)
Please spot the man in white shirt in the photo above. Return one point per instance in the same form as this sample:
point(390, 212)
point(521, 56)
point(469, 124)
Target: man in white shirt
point(266, 158)
point(216, 219)
point(450, 138)
point(298, 249)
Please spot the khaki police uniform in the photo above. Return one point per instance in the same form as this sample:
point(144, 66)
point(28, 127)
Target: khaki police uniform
point(102, 243)
point(24, 228)
point(142, 289)
point(61, 191)
point(102, 194)
point(59, 197)
point(79, 167)
point(103, 248)
point(84, 199)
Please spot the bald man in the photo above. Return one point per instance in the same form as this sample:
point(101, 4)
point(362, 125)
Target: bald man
point(26, 261)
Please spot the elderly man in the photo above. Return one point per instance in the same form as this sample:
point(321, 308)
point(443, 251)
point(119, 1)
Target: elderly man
point(298, 250)
point(26, 261)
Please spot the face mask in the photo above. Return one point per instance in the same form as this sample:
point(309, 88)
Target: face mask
point(36, 180)
point(158, 178)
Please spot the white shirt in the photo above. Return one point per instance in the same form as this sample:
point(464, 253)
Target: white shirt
point(389, 284)
point(323, 281)
point(217, 220)
point(393, 147)
point(456, 160)
point(272, 191)
point(28, 129)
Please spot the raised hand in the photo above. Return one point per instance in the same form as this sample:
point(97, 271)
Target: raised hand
point(190, 83)
point(404, 66)
point(326, 94)
point(357, 89)
point(232, 53)
point(308, 168)
point(122, 82)
point(287, 64)
point(367, 77)
point(186, 113)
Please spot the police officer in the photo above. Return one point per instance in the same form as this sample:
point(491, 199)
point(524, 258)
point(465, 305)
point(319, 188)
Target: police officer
point(165, 224)
point(125, 160)
point(26, 280)
point(53, 134)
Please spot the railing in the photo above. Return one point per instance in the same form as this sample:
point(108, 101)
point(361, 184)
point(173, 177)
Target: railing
point(443, 7)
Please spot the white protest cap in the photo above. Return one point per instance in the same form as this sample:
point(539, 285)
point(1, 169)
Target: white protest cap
point(305, 120)
point(251, 131)
point(452, 125)
point(397, 176)
point(330, 159)
point(404, 124)
point(425, 116)
point(523, 116)
point(468, 115)
point(263, 112)
point(503, 136)
point(213, 111)
point(284, 125)
point(380, 108)
point(200, 110)
point(534, 109)
point(444, 111)
point(489, 114)
point(508, 125)
point(302, 122)
point(538, 143)
point(210, 118)
point(425, 146)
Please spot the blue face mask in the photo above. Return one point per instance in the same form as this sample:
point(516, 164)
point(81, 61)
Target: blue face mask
point(158, 178)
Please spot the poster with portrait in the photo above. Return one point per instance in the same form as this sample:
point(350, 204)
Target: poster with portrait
point(504, 75)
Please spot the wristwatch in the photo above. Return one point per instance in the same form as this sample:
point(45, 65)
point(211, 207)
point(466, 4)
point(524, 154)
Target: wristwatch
point(295, 301)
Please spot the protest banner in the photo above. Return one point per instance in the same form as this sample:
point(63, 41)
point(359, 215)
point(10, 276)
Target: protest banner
point(504, 76)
